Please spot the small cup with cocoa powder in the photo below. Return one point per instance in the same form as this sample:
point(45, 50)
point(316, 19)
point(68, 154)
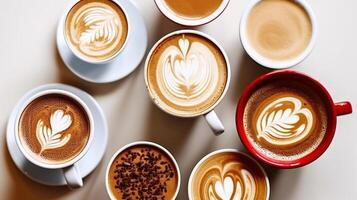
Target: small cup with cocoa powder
point(142, 170)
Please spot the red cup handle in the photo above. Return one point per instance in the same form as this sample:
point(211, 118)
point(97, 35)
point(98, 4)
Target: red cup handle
point(343, 108)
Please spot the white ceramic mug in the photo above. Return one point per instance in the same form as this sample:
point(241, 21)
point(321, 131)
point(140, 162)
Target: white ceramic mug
point(225, 151)
point(276, 64)
point(211, 117)
point(63, 24)
point(70, 171)
point(190, 22)
point(141, 143)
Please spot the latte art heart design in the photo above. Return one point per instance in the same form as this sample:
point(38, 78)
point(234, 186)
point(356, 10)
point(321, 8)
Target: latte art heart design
point(224, 191)
point(51, 137)
point(284, 122)
point(189, 71)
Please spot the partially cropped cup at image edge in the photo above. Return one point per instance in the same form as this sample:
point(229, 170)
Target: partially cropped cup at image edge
point(287, 119)
point(228, 174)
point(54, 130)
point(278, 34)
point(96, 31)
point(192, 12)
point(187, 74)
point(142, 170)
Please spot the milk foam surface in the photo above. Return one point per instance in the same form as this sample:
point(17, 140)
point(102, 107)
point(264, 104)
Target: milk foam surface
point(228, 176)
point(187, 74)
point(96, 30)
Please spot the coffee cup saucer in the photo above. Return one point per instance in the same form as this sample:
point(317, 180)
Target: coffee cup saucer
point(86, 164)
point(122, 65)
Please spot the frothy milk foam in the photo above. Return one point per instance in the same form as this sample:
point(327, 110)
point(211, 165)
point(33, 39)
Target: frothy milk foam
point(285, 120)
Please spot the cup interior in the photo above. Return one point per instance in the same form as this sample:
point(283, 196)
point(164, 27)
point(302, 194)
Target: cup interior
point(27, 100)
point(109, 192)
point(316, 87)
point(190, 22)
point(157, 44)
point(224, 151)
point(103, 61)
point(267, 62)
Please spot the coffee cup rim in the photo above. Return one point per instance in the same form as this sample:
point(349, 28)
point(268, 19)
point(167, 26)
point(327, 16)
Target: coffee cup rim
point(310, 157)
point(265, 62)
point(26, 100)
point(123, 148)
point(198, 164)
point(99, 62)
point(190, 22)
point(199, 33)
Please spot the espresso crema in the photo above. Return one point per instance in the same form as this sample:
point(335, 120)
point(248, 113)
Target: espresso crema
point(186, 74)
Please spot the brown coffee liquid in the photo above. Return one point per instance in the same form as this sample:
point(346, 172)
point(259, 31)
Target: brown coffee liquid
point(193, 9)
point(143, 172)
point(279, 30)
point(286, 119)
point(238, 176)
point(54, 129)
point(187, 74)
point(96, 30)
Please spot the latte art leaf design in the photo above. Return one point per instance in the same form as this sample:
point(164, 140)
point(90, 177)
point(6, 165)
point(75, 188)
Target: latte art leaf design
point(101, 24)
point(284, 122)
point(51, 137)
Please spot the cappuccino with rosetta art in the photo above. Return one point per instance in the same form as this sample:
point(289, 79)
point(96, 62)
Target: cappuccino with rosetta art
point(285, 119)
point(186, 74)
point(96, 30)
point(54, 129)
point(228, 175)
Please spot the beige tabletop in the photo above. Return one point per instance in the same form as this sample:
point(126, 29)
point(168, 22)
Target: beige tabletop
point(29, 58)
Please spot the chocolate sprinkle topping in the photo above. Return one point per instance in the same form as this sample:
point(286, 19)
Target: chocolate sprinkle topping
point(143, 175)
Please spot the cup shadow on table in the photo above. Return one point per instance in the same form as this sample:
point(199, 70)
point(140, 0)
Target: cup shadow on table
point(248, 70)
point(24, 188)
point(67, 77)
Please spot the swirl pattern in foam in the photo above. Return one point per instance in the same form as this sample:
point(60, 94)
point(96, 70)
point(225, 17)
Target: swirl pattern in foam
point(96, 30)
point(228, 176)
point(187, 73)
point(284, 121)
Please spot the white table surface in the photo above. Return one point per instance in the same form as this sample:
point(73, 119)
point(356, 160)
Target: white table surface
point(29, 58)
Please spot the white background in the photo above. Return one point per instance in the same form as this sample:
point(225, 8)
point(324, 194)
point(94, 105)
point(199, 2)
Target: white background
point(28, 58)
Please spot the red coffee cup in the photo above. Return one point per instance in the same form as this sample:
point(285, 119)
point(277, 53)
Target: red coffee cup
point(332, 109)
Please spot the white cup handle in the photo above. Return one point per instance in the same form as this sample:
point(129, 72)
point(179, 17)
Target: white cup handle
point(214, 123)
point(73, 176)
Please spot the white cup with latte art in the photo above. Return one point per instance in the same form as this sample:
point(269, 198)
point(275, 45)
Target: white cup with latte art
point(278, 34)
point(187, 73)
point(54, 130)
point(96, 31)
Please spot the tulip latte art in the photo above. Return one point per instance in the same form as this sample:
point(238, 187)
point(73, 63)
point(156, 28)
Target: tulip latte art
point(228, 176)
point(285, 120)
point(54, 129)
point(96, 30)
point(187, 74)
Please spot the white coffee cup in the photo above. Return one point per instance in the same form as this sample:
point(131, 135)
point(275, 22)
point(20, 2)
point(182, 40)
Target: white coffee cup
point(211, 117)
point(276, 64)
point(225, 151)
point(71, 173)
point(141, 143)
point(63, 23)
point(190, 22)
